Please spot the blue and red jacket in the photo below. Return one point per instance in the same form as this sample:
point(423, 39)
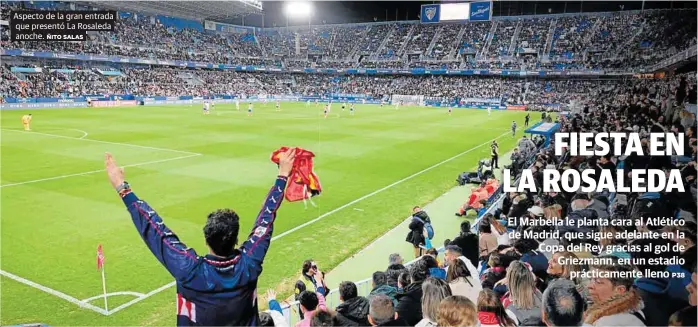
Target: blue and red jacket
point(211, 291)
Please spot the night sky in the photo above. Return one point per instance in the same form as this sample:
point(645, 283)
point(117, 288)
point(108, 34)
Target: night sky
point(339, 12)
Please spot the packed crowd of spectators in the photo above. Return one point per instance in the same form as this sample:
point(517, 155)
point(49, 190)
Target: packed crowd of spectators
point(177, 81)
point(447, 41)
point(421, 38)
point(395, 40)
point(502, 38)
point(489, 276)
point(474, 37)
point(533, 35)
point(369, 44)
point(618, 41)
point(569, 35)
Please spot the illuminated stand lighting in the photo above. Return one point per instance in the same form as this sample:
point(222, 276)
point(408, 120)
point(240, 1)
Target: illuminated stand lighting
point(298, 10)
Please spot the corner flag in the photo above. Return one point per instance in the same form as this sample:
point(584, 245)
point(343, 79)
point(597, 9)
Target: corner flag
point(100, 257)
point(100, 266)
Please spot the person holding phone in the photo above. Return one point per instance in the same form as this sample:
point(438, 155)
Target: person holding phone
point(311, 279)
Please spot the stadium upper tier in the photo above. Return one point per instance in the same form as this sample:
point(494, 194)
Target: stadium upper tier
point(619, 41)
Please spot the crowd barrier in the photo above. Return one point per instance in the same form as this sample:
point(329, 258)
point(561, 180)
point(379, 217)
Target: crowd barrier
point(39, 105)
point(117, 103)
point(290, 309)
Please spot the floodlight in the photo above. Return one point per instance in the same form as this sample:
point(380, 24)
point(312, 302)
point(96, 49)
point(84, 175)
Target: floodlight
point(298, 9)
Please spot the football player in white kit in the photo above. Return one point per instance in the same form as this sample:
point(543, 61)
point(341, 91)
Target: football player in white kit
point(206, 108)
point(489, 111)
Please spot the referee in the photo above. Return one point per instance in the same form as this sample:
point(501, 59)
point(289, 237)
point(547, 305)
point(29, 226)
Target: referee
point(495, 155)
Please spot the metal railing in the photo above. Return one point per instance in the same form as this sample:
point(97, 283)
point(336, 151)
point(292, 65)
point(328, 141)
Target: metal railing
point(290, 309)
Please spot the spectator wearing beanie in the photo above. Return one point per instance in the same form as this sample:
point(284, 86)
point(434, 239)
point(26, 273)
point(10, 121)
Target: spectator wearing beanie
point(353, 311)
point(616, 302)
point(491, 313)
point(433, 292)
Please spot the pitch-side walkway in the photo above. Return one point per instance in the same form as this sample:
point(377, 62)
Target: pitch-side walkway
point(375, 256)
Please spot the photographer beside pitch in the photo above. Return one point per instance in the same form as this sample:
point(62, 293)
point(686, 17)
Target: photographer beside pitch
point(221, 287)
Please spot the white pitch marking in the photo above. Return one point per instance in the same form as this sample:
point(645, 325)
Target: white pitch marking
point(384, 188)
point(101, 296)
point(98, 141)
point(166, 286)
point(99, 170)
point(53, 292)
point(84, 134)
point(138, 299)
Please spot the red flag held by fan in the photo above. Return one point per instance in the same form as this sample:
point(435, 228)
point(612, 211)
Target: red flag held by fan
point(302, 183)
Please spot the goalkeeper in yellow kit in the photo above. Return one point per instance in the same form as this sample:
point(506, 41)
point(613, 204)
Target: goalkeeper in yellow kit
point(26, 120)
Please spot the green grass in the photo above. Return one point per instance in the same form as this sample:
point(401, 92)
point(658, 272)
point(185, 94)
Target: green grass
point(50, 229)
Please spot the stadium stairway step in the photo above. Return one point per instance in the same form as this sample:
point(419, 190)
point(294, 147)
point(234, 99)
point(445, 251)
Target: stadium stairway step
point(441, 210)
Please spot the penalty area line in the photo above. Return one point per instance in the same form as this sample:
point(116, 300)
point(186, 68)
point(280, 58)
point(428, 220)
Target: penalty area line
point(82, 138)
point(98, 171)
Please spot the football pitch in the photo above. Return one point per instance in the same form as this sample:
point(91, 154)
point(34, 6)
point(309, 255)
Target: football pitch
point(57, 204)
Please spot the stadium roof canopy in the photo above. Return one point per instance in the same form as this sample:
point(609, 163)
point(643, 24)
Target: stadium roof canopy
point(197, 10)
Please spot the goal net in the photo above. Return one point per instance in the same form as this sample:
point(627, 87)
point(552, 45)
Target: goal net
point(407, 100)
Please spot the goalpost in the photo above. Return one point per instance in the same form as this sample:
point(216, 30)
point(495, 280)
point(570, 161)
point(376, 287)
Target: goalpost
point(407, 100)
